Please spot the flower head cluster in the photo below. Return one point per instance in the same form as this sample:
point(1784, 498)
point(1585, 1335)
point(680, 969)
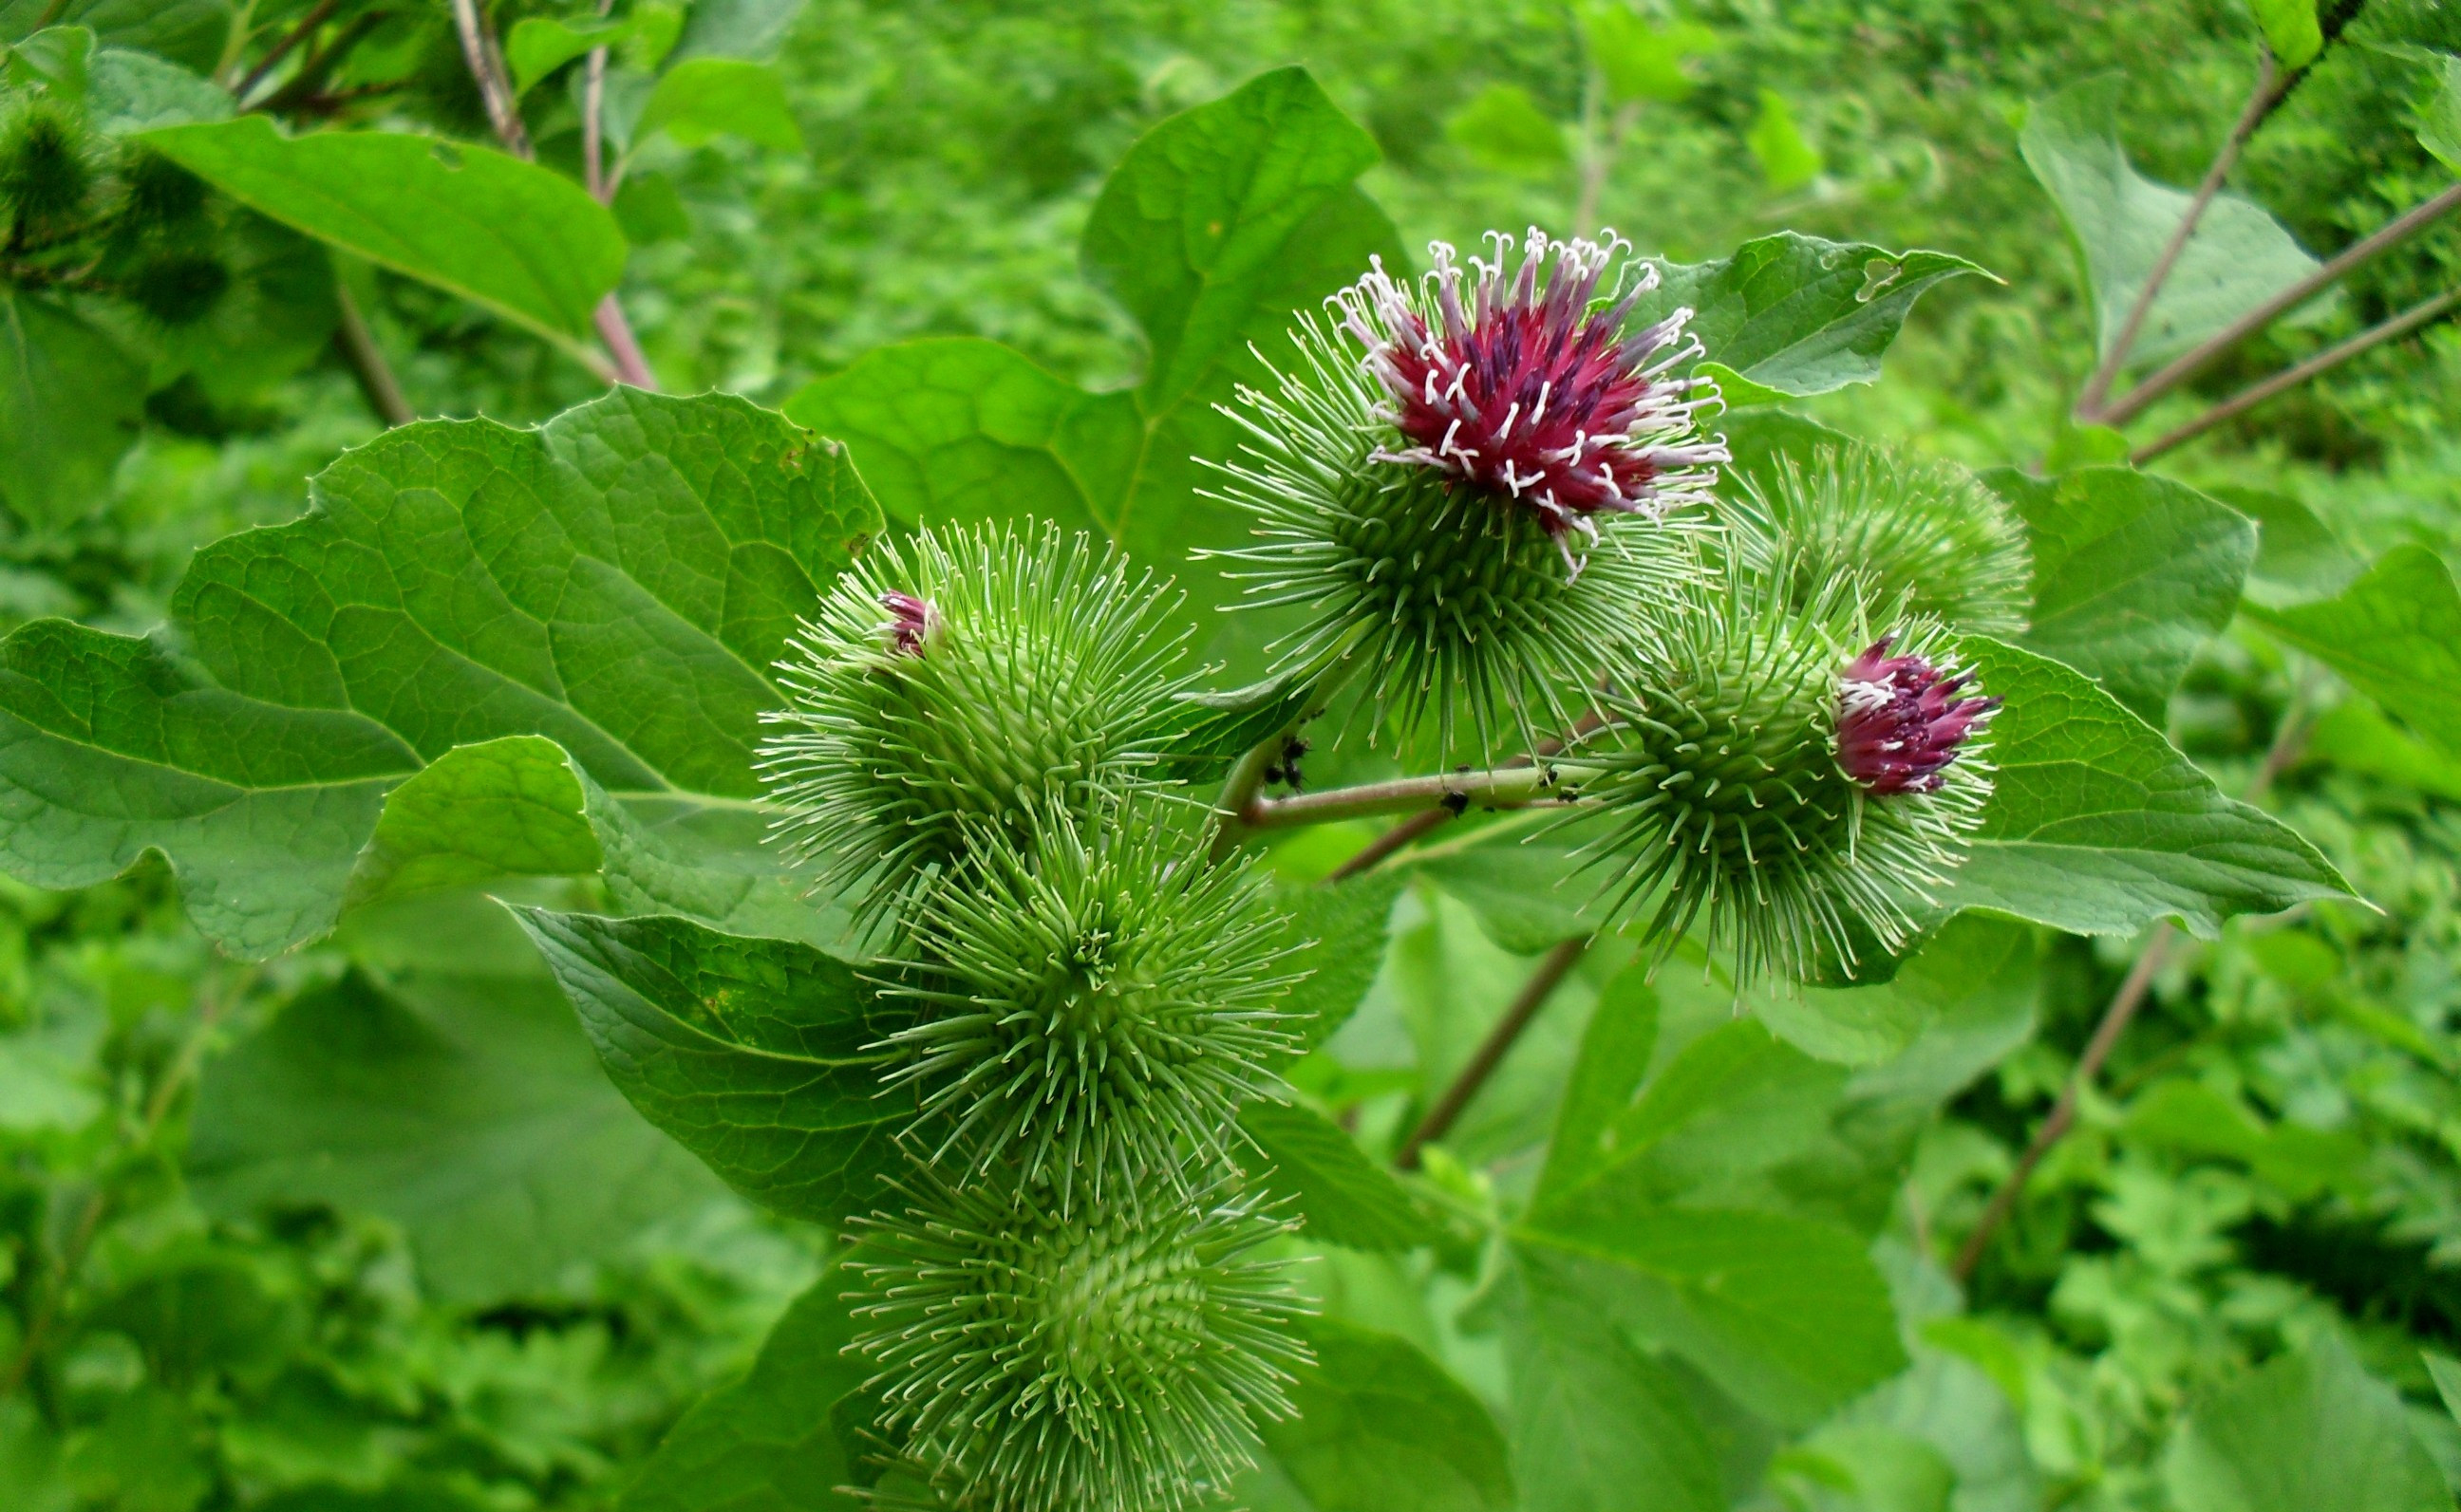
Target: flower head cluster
point(1464, 487)
point(1093, 1005)
point(969, 676)
point(1902, 721)
point(1531, 389)
point(1108, 1361)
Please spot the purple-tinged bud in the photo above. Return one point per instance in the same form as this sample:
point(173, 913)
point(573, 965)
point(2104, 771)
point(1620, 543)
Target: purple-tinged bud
point(914, 622)
point(1900, 720)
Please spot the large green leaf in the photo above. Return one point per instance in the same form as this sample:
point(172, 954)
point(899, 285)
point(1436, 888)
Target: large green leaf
point(70, 402)
point(770, 1442)
point(1344, 926)
point(461, 1103)
point(526, 242)
point(1217, 226)
point(2097, 825)
point(2395, 634)
point(110, 748)
point(1379, 1426)
point(2131, 574)
point(619, 581)
point(1787, 1315)
point(2307, 1431)
point(1616, 1048)
point(2238, 257)
point(1799, 315)
point(189, 33)
point(1598, 1426)
point(702, 97)
point(1346, 1199)
point(752, 1053)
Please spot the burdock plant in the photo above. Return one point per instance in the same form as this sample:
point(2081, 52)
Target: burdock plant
point(1487, 492)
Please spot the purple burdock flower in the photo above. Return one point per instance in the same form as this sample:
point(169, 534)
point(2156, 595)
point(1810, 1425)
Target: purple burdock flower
point(1536, 395)
point(1900, 720)
point(914, 622)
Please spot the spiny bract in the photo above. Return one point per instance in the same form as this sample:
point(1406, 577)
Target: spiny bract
point(1422, 479)
point(1095, 1003)
point(971, 674)
point(1724, 797)
point(1919, 537)
point(1101, 1362)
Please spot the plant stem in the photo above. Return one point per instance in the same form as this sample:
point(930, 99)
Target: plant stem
point(300, 90)
point(2287, 742)
point(1492, 788)
point(1418, 826)
point(2188, 363)
point(366, 360)
point(2269, 88)
point(631, 364)
point(593, 101)
point(316, 16)
point(71, 1258)
point(486, 70)
point(1548, 975)
point(2248, 398)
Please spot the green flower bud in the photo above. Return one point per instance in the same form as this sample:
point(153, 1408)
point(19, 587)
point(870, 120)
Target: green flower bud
point(45, 172)
point(178, 288)
point(1093, 1005)
point(1788, 791)
point(1918, 538)
point(972, 675)
point(1102, 1362)
point(1468, 484)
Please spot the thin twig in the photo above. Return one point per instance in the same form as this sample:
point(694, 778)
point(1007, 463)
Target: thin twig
point(62, 1273)
point(1548, 975)
point(2287, 742)
point(2418, 219)
point(2248, 398)
point(486, 70)
point(316, 16)
point(631, 364)
point(302, 90)
point(593, 101)
point(366, 360)
point(2269, 86)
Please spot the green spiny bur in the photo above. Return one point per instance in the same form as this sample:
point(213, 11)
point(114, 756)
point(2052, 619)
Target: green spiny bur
point(1095, 1003)
point(1922, 538)
point(1720, 800)
point(969, 676)
point(1107, 1361)
point(178, 288)
point(157, 195)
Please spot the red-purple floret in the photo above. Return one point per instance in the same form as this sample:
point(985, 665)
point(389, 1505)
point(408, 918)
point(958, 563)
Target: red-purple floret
point(1531, 395)
point(1900, 720)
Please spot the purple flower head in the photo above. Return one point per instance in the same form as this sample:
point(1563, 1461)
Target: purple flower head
point(1900, 720)
point(914, 621)
point(1533, 394)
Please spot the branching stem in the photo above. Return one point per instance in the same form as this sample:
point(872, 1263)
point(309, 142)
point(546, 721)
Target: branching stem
point(1546, 976)
point(1488, 788)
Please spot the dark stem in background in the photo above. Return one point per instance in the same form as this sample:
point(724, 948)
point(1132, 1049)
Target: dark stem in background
point(2269, 89)
point(2190, 363)
point(1549, 974)
point(316, 16)
point(593, 102)
point(300, 90)
point(2287, 742)
point(2248, 398)
point(366, 360)
point(486, 63)
point(1418, 826)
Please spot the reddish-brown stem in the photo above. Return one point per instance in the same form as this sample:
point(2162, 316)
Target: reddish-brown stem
point(2269, 88)
point(366, 360)
point(1548, 975)
point(486, 62)
point(2248, 398)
